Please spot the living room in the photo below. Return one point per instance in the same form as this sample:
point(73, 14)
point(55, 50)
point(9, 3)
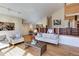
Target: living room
point(51, 29)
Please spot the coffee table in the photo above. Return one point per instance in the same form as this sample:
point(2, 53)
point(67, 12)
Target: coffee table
point(41, 46)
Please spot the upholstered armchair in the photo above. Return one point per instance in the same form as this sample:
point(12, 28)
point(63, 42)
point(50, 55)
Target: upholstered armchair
point(17, 38)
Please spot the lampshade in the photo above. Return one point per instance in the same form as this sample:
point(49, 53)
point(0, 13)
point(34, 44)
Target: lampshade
point(35, 31)
point(31, 26)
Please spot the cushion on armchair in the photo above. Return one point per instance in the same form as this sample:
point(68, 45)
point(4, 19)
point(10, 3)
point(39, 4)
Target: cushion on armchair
point(2, 37)
point(3, 41)
point(15, 37)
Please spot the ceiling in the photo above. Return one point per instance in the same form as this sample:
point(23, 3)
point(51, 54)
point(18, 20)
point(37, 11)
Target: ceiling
point(32, 12)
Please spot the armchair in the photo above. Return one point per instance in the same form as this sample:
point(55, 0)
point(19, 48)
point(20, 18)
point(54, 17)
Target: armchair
point(16, 39)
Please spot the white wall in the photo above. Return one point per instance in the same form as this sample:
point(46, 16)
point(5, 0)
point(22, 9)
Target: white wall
point(59, 15)
point(17, 21)
point(43, 21)
point(25, 29)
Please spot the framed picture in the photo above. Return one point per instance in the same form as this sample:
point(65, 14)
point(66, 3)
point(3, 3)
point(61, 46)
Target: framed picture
point(6, 26)
point(57, 22)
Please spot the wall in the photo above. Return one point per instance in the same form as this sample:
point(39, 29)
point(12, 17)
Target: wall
point(59, 15)
point(17, 21)
point(25, 28)
point(43, 21)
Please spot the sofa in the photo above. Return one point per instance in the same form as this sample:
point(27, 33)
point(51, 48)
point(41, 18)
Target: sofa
point(15, 41)
point(4, 42)
point(47, 37)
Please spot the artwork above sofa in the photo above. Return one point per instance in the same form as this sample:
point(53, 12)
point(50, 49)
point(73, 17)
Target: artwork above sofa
point(4, 26)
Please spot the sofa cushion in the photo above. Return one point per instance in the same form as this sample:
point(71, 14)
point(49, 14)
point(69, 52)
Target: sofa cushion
point(2, 37)
point(46, 35)
point(49, 36)
point(39, 34)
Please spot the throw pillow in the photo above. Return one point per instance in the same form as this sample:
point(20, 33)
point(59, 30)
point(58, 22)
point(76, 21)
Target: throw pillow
point(50, 31)
point(18, 36)
point(33, 42)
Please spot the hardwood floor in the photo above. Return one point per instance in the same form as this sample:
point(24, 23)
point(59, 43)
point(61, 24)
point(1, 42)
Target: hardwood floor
point(53, 50)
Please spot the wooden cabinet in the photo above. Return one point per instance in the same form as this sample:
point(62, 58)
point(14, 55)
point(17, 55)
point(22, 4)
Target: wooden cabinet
point(28, 37)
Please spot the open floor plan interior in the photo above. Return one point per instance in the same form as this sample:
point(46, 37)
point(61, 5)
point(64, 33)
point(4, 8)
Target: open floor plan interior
point(39, 29)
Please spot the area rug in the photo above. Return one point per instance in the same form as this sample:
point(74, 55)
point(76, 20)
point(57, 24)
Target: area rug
point(14, 51)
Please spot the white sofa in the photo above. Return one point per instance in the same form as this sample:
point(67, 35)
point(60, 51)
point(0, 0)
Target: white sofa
point(46, 37)
point(69, 40)
point(14, 39)
point(4, 42)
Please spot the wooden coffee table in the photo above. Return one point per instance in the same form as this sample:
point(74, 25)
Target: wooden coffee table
point(41, 46)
